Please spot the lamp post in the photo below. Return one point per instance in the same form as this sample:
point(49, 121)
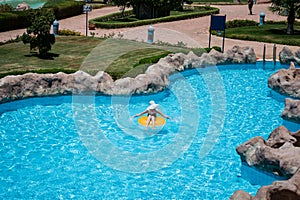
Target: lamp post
point(87, 9)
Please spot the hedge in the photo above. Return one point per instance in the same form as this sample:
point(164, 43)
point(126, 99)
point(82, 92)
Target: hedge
point(245, 22)
point(65, 8)
point(240, 23)
point(102, 22)
point(13, 20)
point(19, 19)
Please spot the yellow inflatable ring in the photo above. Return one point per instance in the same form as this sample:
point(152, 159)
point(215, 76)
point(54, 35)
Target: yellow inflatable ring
point(159, 121)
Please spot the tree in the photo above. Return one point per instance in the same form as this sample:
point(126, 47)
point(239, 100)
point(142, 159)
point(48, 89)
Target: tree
point(292, 8)
point(144, 9)
point(38, 34)
point(6, 8)
point(122, 4)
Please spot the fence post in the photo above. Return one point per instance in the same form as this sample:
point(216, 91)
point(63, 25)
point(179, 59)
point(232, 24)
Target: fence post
point(264, 54)
point(274, 53)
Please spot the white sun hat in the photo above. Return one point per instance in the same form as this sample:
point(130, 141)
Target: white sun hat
point(152, 106)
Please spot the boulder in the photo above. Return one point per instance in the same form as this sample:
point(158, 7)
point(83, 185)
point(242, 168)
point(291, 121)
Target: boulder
point(192, 60)
point(280, 155)
point(240, 55)
point(278, 190)
point(286, 81)
point(37, 85)
point(123, 86)
point(173, 61)
point(241, 195)
point(219, 57)
point(277, 155)
point(104, 82)
point(286, 56)
point(207, 60)
point(22, 6)
point(279, 137)
point(291, 110)
point(160, 72)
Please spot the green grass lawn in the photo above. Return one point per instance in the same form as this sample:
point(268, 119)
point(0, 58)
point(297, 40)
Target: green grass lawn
point(73, 53)
point(272, 33)
point(131, 60)
point(117, 57)
point(67, 56)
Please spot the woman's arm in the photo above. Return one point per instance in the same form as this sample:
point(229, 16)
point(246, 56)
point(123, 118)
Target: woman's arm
point(144, 112)
point(165, 116)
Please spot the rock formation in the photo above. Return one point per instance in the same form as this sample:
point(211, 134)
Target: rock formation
point(22, 6)
point(32, 85)
point(279, 154)
point(240, 55)
point(286, 81)
point(287, 56)
point(291, 110)
point(153, 80)
point(278, 190)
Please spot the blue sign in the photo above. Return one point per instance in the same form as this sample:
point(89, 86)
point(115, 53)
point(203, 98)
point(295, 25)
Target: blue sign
point(218, 22)
point(87, 8)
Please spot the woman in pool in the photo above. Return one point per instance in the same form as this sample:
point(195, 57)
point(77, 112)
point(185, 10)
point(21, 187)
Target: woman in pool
point(152, 114)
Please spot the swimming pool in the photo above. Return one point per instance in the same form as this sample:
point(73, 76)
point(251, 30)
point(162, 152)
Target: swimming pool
point(34, 4)
point(86, 147)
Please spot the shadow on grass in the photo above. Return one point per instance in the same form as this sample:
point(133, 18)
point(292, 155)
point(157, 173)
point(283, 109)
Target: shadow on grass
point(48, 56)
point(283, 32)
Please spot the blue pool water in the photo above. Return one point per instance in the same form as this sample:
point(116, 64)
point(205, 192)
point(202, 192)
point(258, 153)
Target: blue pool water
point(34, 4)
point(86, 147)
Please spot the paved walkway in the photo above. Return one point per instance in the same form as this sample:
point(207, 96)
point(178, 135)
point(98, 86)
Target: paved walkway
point(193, 32)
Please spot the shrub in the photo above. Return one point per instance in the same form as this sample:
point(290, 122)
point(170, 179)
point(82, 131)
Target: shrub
point(153, 59)
point(104, 22)
point(215, 48)
point(65, 8)
point(68, 32)
point(239, 23)
point(6, 8)
point(14, 20)
point(198, 51)
point(19, 19)
point(112, 16)
point(38, 34)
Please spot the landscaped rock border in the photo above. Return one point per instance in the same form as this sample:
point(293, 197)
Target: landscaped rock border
point(291, 110)
point(278, 190)
point(286, 56)
point(286, 81)
point(153, 80)
point(280, 155)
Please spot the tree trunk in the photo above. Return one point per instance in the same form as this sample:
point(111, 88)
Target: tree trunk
point(146, 11)
point(291, 20)
point(122, 10)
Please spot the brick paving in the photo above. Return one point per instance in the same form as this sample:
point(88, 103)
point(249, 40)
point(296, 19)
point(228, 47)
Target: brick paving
point(193, 32)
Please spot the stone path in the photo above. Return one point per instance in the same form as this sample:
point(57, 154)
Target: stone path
point(193, 32)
